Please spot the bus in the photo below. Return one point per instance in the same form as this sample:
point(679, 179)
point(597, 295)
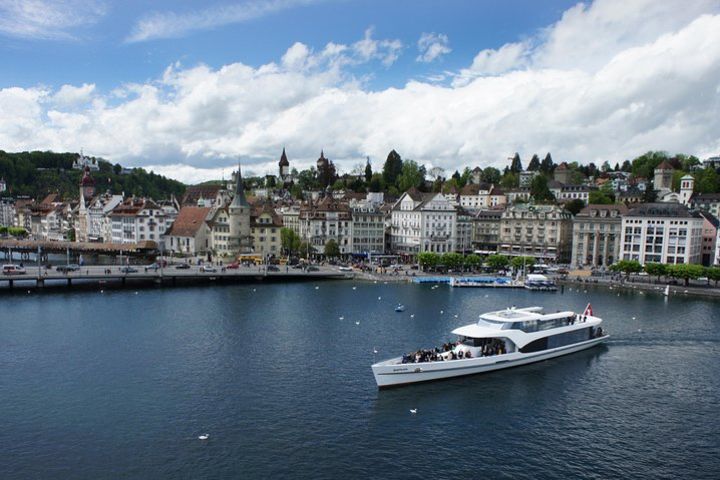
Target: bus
point(250, 258)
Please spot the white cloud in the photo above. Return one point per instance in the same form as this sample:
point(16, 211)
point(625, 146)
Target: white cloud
point(48, 20)
point(658, 92)
point(69, 95)
point(172, 25)
point(387, 51)
point(432, 46)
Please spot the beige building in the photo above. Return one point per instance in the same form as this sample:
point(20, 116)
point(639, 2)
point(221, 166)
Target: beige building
point(486, 230)
point(265, 227)
point(540, 231)
point(596, 235)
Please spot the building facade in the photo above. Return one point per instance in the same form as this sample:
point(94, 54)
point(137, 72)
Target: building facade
point(368, 228)
point(540, 231)
point(663, 233)
point(597, 235)
point(423, 222)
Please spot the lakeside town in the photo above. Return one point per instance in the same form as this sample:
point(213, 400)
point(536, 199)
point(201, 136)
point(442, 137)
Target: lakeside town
point(584, 218)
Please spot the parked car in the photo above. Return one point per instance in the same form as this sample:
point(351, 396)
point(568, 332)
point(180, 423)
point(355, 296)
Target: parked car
point(273, 268)
point(73, 267)
point(345, 269)
point(233, 266)
point(128, 270)
point(208, 269)
point(182, 266)
point(13, 270)
point(153, 266)
point(312, 268)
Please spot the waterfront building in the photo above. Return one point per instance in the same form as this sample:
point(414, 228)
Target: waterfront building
point(99, 224)
point(368, 227)
point(190, 233)
point(325, 220)
point(463, 230)
point(240, 238)
point(219, 224)
point(23, 212)
point(423, 222)
point(265, 225)
point(137, 220)
point(709, 238)
point(486, 230)
point(7, 212)
point(541, 231)
point(597, 235)
point(662, 232)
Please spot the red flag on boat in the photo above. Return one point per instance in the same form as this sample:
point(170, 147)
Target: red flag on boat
point(588, 310)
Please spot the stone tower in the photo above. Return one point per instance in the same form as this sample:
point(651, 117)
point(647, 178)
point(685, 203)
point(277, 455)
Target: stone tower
point(240, 239)
point(284, 167)
point(663, 176)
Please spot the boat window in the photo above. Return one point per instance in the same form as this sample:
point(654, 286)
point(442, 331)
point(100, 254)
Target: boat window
point(568, 338)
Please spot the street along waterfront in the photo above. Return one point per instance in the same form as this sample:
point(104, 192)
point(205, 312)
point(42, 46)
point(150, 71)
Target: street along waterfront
point(105, 385)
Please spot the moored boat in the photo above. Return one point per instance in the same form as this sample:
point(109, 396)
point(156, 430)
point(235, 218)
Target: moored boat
point(501, 339)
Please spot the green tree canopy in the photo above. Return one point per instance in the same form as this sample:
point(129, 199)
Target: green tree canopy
point(290, 241)
point(574, 206)
point(497, 262)
point(518, 262)
point(657, 269)
point(332, 249)
point(428, 259)
point(547, 165)
point(392, 168)
point(686, 272)
point(540, 191)
point(472, 261)
point(534, 164)
point(516, 164)
point(368, 171)
point(412, 175)
point(627, 267)
point(490, 175)
point(452, 260)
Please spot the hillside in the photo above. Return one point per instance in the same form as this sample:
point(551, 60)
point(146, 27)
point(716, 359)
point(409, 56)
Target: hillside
point(39, 173)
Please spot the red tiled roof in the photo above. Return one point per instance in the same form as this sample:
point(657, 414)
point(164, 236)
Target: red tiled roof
point(189, 221)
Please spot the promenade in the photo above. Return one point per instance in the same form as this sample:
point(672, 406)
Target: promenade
point(117, 276)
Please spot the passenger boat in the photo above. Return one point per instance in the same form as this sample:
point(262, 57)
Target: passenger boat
point(486, 282)
point(501, 339)
point(539, 282)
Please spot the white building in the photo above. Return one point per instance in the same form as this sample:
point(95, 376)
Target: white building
point(368, 227)
point(662, 232)
point(327, 220)
point(137, 220)
point(7, 212)
point(423, 222)
point(190, 233)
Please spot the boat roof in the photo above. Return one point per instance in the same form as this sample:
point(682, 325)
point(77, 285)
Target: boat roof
point(510, 315)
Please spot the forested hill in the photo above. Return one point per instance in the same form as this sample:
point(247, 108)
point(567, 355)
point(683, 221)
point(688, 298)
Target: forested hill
point(39, 173)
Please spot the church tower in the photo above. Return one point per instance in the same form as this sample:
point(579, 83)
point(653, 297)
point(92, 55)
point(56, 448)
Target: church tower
point(240, 240)
point(687, 184)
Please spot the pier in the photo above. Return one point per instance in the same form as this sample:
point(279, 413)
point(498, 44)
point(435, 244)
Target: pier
point(118, 276)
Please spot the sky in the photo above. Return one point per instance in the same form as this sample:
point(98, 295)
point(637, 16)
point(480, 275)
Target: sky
point(188, 89)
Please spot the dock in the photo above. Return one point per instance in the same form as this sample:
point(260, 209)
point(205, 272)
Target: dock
point(103, 276)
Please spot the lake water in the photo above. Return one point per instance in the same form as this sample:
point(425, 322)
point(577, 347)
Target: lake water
point(120, 384)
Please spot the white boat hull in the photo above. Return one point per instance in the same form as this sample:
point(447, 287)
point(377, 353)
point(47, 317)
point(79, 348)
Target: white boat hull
point(395, 374)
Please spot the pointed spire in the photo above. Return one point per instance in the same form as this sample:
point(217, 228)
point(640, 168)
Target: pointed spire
point(239, 200)
point(283, 159)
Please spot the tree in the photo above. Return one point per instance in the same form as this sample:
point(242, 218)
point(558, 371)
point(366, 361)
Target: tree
point(520, 262)
point(574, 206)
point(368, 171)
point(392, 168)
point(290, 241)
point(490, 175)
point(332, 249)
point(605, 167)
point(376, 183)
point(626, 166)
point(713, 273)
point(534, 164)
point(296, 191)
point(452, 260)
point(685, 271)
point(412, 175)
point(516, 164)
point(627, 267)
point(472, 261)
point(497, 262)
point(658, 269)
point(436, 173)
point(599, 197)
point(428, 260)
point(547, 165)
point(509, 180)
point(540, 191)
point(650, 194)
